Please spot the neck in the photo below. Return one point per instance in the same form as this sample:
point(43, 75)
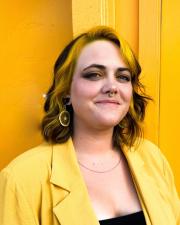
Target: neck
point(91, 142)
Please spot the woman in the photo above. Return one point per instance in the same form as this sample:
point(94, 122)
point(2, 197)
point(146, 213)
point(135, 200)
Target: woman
point(95, 167)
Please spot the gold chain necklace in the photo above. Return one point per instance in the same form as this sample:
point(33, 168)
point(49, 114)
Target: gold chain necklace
point(105, 171)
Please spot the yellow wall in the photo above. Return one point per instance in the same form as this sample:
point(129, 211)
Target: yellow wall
point(32, 35)
point(159, 49)
point(170, 85)
point(149, 57)
point(86, 14)
point(127, 21)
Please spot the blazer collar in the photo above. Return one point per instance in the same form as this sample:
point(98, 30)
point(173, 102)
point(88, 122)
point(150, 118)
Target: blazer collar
point(71, 203)
point(65, 170)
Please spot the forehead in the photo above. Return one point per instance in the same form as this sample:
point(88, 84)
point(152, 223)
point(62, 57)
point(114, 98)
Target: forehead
point(100, 52)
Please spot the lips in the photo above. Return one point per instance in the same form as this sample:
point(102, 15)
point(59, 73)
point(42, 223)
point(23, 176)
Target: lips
point(107, 101)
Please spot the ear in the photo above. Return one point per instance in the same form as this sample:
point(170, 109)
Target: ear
point(68, 100)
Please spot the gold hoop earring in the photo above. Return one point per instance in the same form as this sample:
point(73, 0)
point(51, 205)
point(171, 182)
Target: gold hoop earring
point(64, 116)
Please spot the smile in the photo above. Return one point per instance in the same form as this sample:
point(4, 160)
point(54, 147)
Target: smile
point(108, 102)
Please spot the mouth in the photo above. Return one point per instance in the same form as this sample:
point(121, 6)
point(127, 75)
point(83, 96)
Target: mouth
point(113, 102)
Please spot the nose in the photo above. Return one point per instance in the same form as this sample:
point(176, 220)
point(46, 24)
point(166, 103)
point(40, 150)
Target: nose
point(110, 88)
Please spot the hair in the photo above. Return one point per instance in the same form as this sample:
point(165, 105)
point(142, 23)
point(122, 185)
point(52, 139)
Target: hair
point(130, 128)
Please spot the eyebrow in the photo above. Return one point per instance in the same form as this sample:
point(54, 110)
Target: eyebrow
point(102, 67)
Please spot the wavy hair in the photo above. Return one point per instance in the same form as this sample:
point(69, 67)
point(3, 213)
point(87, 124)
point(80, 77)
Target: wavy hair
point(130, 128)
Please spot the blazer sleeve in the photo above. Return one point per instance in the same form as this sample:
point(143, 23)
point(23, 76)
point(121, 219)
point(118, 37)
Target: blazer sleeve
point(174, 198)
point(14, 206)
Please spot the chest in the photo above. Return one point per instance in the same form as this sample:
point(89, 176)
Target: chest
point(113, 193)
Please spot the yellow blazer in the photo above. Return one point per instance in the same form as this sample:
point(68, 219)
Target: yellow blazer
point(44, 186)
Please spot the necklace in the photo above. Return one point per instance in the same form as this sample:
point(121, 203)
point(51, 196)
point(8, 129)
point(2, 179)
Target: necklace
point(105, 171)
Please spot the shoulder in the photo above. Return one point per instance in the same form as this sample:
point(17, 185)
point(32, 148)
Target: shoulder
point(148, 150)
point(154, 160)
point(25, 185)
point(29, 167)
point(32, 157)
point(151, 155)
point(145, 144)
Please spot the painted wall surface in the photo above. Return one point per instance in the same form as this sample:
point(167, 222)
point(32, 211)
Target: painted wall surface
point(159, 49)
point(86, 14)
point(170, 85)
point(32, 35)
point(149, 58)
point(127, 21)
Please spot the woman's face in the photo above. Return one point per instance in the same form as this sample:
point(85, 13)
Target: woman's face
point(100, 70)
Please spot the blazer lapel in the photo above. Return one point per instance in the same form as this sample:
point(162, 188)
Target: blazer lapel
point(155, 208)
point(71, 203)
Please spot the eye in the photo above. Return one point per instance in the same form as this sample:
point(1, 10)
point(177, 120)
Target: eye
point(92, 75)
point(124, 78)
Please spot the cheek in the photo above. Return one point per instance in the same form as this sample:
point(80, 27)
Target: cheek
point(80, 100)
point(75, 94)
point(127, 93)
point(83, 90)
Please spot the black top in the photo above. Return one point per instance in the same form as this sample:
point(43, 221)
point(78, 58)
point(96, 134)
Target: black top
point(130, 219)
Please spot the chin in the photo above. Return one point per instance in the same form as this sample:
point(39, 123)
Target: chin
point(107, 124)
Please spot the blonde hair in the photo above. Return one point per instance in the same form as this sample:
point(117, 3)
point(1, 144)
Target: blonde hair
point(130, 128)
